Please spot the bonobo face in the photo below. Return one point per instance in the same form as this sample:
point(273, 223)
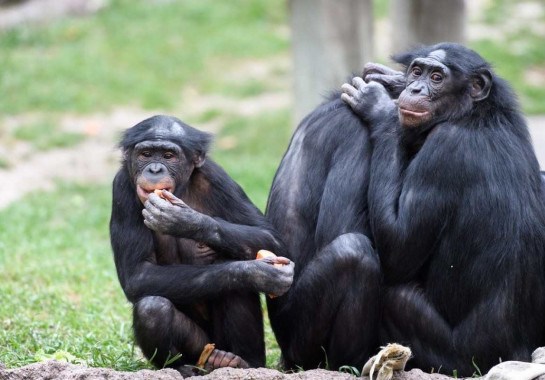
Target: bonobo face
point(428, 80)
point(158, 165)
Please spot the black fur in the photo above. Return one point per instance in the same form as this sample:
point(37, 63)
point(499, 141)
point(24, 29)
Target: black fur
point(318, 205)
point(455, 211)
point(459, 226)
point(179, 305)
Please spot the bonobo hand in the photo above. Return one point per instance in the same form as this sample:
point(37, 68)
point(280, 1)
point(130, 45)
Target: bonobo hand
point(393, 81)
point(265, 277)
point(173, 216)
point(370, 101)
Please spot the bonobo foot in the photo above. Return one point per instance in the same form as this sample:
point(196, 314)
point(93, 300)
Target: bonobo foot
point(212, 359)
point(220, 359)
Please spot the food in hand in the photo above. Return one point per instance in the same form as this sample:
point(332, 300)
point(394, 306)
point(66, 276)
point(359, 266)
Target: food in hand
point(277, 261)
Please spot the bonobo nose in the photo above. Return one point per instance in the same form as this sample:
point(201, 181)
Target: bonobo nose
point(156, 168)
point(415, 90)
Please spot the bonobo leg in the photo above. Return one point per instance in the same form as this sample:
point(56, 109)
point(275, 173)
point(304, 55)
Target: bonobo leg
point(238, 328)
point(485, 337)
point(162, 332)
point(330, 315)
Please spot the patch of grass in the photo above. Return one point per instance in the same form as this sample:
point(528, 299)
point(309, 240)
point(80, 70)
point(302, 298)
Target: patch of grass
point(58, 283)
point(381, 8)
point(208, 115)
point(260, 143)
point(4, 163)
point(513, 64)
point(60, 293)
point(46, 135)
point(496, 11)
point(518, 53)
point(133, 52)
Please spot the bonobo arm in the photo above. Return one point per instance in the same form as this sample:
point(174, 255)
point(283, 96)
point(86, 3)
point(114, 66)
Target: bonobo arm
point(406, 212)
point(174, 217)
point(133, 248)
point(393, 81)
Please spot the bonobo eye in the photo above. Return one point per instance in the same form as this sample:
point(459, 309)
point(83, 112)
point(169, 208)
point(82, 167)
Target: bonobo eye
point(146, 153)
point(168, 155)
point(436, 77)
point(416, 71)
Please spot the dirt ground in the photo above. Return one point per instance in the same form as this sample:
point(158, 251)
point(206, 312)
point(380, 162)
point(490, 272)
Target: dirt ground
point(66, 371)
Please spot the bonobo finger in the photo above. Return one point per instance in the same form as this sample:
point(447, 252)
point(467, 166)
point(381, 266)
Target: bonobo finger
point(287, 270)
point(149, 219)
point(217, 357)
point(281, 260)
point(235, 362)
point(379, 78)
point(358, 82)
point(173, 198)
point(157, 201)
point(350, 90)
point(227, 359)
point(275, 260)
point(289, 267)
point(146, 214)
point(210, 362)
point(242, 363)
point(150, 224)
point(377, 68)
point(349, 100)
point(152, 208)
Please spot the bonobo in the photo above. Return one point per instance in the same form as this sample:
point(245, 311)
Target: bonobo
point(457, 210)
point(318, 204)
point(184, 256)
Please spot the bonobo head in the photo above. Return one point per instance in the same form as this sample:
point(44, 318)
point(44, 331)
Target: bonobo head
point(444, 82)
point(161, 153)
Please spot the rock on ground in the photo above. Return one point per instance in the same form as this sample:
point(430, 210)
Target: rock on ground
point(66, 371)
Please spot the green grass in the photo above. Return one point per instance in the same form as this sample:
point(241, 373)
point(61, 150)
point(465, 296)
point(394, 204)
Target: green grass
point(513, 64)
point(135, 52)
point(57, 278)
point(46, 135)
point(518, 53)
point(259, 143)
point(58, 284)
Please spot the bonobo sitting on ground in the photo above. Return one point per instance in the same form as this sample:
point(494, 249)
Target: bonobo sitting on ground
point(456, 208)
point(184, 256)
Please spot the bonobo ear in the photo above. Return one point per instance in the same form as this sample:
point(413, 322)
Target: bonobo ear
point(481, 83)
point(199, 158)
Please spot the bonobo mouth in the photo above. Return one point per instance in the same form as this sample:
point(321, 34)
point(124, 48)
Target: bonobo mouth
point(413, 113)
point(413, 118)
point(144, 192)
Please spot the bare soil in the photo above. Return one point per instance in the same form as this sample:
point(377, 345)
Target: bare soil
point(66, 371)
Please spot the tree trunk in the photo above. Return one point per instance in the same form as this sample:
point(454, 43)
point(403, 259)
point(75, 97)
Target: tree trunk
point(331, 39)
point(427, 22)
